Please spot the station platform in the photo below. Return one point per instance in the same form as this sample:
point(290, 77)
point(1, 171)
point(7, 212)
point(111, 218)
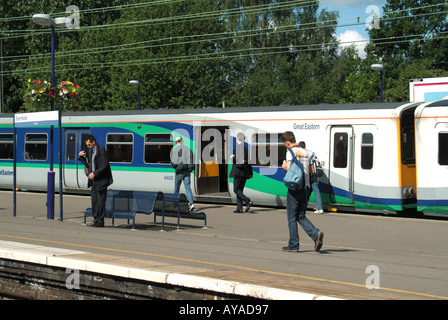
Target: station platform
point(364, 257)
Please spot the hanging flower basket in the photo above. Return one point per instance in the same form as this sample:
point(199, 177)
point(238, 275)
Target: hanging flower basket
point(39, 93)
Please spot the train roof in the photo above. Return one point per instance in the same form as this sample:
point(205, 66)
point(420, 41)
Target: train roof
point(440, 103)
point(319, 107)
point(431, 108)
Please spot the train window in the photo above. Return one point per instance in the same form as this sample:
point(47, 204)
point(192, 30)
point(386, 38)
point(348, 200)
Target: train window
point(407, 146)
point(340, 148)
point(71, 146)
point(120, 147)
point(443, 148)
point(6, 146)
point(367, 151)
point(268, 150)
point(407, 137)
point(158, 147)
point(36, 146)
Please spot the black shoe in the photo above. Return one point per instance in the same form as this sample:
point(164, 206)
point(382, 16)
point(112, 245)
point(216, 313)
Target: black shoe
point(98, 224)
point(237, 211)
point(319, 241)
point(91, 224)
point(248, 204)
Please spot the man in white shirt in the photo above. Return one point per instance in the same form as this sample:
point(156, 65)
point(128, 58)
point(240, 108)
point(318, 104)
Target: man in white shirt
point(297, 201)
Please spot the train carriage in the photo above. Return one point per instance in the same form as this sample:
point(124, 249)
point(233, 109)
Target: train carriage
point(431, 139)
point(367, 151)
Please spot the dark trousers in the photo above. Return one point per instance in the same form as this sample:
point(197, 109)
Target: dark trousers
point(238, 187)
point(98, 198)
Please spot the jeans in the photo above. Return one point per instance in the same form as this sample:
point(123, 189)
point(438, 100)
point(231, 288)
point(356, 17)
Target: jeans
point(296, 203)
point(315, 186)
point(178, 181)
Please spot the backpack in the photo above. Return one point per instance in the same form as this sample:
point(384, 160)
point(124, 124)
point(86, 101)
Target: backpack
point(318, 164)
point(293, 179)
point(178, 162)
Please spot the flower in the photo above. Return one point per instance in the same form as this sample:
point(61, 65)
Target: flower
point(39, 93)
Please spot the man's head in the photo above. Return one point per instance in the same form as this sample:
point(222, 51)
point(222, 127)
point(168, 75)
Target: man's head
point(240, 137)
point(288, 139)
point(90, 142)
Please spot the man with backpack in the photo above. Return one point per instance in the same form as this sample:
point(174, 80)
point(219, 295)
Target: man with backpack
point(297, 200)
point(183, 164)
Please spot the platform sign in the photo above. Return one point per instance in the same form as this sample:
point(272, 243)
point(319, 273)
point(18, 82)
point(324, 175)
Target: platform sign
point(46, 118)
point(33, 119)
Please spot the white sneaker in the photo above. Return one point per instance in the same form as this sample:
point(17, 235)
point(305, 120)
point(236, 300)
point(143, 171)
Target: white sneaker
point(318, 211)
point(191, 207)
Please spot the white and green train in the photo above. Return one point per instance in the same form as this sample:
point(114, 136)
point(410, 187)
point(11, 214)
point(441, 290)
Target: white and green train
point(381, 157)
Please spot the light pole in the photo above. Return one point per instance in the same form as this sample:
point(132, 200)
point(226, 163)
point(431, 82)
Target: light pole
point(46, 20)
point(379, 68)
point(136, 83)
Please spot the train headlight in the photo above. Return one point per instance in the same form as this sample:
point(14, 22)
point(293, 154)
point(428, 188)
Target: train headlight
point(406, 193)
point(409, 192)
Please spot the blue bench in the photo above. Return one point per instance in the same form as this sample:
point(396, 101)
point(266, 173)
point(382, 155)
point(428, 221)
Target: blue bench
point(125, 204)
point(176, 205)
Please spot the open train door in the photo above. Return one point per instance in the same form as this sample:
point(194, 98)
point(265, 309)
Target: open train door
point(211, 180)
point(341, 166)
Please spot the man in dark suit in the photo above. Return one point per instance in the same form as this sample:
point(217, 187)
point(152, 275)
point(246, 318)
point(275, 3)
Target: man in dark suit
point(100, 177)
point(241, 171)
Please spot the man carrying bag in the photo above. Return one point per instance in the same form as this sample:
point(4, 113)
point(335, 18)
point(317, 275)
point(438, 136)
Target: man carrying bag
point(297, 196)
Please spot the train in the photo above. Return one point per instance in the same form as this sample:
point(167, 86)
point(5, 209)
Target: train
point(388, 158)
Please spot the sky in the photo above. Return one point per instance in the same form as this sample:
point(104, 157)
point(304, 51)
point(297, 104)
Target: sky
point(353, 16)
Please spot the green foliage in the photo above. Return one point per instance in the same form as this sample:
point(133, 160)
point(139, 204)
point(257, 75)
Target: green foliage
point(195, 54)
point(411, 43)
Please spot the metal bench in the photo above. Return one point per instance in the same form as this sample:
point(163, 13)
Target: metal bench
point(176, 205)
point(125, 204)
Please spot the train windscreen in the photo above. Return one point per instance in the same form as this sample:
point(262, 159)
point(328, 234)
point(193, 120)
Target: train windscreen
point(407, 137)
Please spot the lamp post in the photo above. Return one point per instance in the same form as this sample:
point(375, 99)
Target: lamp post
point(136, 83)
point(379, 68)
point(46, 20)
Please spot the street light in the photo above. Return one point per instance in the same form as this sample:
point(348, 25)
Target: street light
point(136, 83)
point(46, 20)
point(378, 67)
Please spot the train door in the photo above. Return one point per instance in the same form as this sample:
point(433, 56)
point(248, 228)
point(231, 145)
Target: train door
point(341, 168)
point(211, 179)
point(74, 177)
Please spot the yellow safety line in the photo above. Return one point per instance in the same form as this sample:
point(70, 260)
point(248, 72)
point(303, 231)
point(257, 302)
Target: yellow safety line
point(226, 265)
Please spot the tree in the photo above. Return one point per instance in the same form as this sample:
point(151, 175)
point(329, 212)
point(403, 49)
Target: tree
point(411, 33)
point(195, 54)
point(289, 52)
point(398, 89)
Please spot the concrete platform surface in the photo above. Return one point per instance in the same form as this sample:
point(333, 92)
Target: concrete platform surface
point(363, 256)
